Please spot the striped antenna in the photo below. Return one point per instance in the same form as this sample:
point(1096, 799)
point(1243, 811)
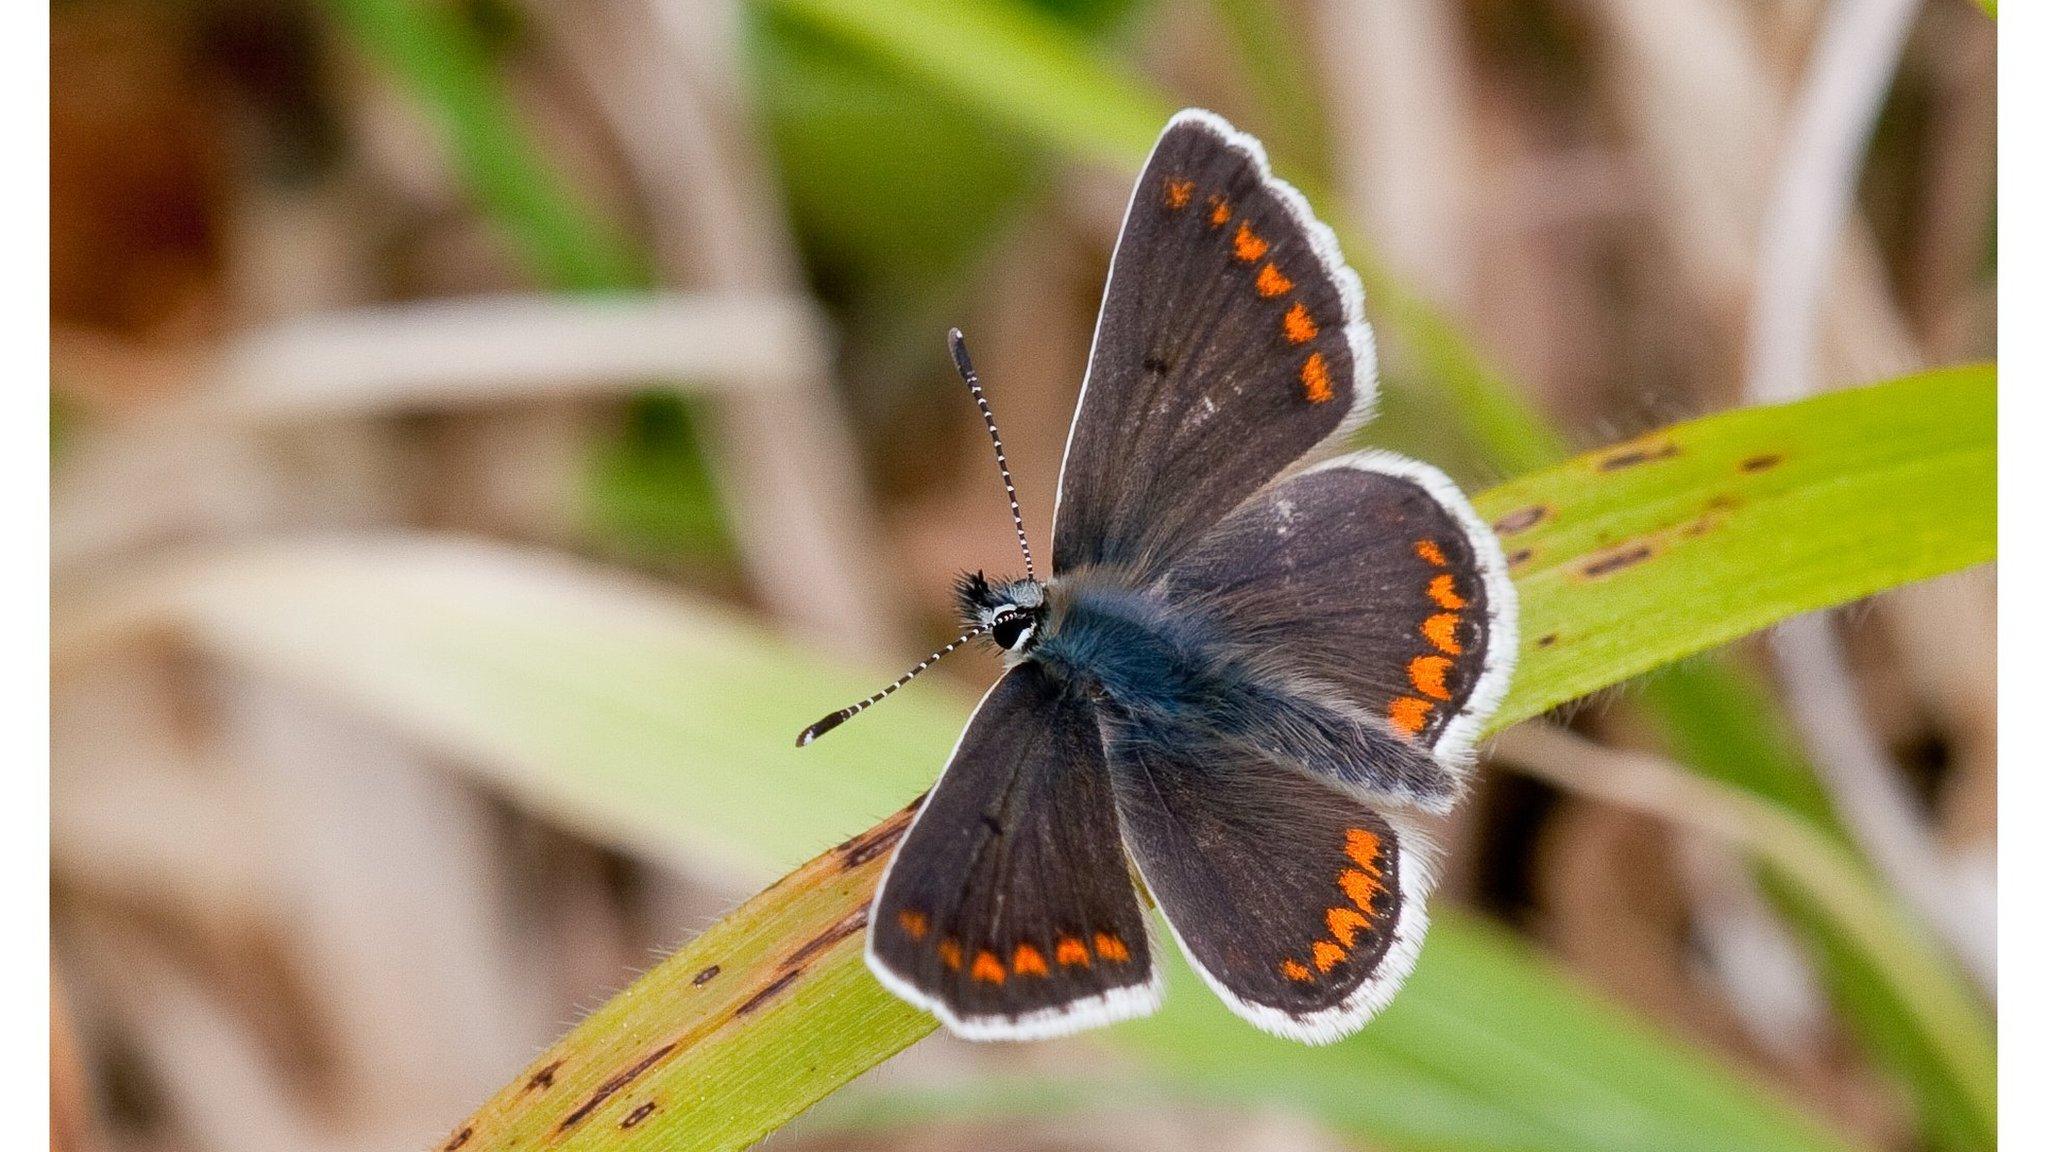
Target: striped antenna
point(966, 367)
point(851, 710)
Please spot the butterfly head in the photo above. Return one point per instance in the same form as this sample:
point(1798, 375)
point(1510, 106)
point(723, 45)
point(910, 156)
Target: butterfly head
point(1011, 611)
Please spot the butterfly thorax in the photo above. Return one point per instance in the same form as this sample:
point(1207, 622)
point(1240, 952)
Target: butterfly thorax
point(1128, 646)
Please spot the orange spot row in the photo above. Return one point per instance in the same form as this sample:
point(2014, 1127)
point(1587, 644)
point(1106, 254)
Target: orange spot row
point(1025, 959)
point(1297, 325)
point(1430, 674)
point(1315, 379)
point(1360, 885)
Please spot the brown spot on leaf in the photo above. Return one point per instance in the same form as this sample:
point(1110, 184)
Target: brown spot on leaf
point(634, 1117)
point(1521, 519)
point(544, 1079)
point(613, 1087)
point(1762, 462)
point(1520, 556)
point(1712, 515)
point(1546, 640)
point(877, 840)
point(845, 926)
point(459, 1139)
point(1641, 454)
point(709, 974)
point(773, 989)
point(1615, 561)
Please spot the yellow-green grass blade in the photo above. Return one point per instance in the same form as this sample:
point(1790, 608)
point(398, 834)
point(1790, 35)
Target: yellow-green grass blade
point(1713, 529)
point(670, 730)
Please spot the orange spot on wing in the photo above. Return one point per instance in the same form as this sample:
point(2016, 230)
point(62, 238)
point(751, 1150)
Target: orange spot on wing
point(1430, 553)
point(1296, 970)
point(949, 953)
point(1315, 379)
point(1442, 631)
point(1345, 924)
point(1444, 590)
point(1360, 887)
point(1219, 211)
point(1178, 192)
point(1408, 714)
point(1027, 961)
point(1327, 955)
point(1427, 674)
point(1364, 849)
point(1247, 244)
point(1071, 952)
point(1110, 948)
point(987, 968)
point(913, 922)
point(1272, 282)
point(1298, 325)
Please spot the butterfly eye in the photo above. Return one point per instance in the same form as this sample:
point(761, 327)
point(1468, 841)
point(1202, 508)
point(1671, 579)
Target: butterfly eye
point(1010, 630)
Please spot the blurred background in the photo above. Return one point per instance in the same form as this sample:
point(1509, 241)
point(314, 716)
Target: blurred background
point(486, 432)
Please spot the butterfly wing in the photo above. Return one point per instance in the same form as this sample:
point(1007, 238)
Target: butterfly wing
point(1232, 340)
point(1371, 575)
point(1008, 911)
point(1299, 903)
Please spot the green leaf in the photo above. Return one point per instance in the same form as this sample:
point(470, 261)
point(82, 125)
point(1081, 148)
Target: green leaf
point(1686, 538)
point(646, 725)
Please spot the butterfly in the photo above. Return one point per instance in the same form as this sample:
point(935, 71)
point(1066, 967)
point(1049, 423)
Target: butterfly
point(1253, 666)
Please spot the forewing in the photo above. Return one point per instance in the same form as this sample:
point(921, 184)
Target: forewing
point(1008, 911)
point(1232, 340)
point(1372, 575)
point(1300, 904)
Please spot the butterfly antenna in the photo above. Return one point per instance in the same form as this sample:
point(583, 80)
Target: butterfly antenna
point(966, 367)
point(851, 710)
